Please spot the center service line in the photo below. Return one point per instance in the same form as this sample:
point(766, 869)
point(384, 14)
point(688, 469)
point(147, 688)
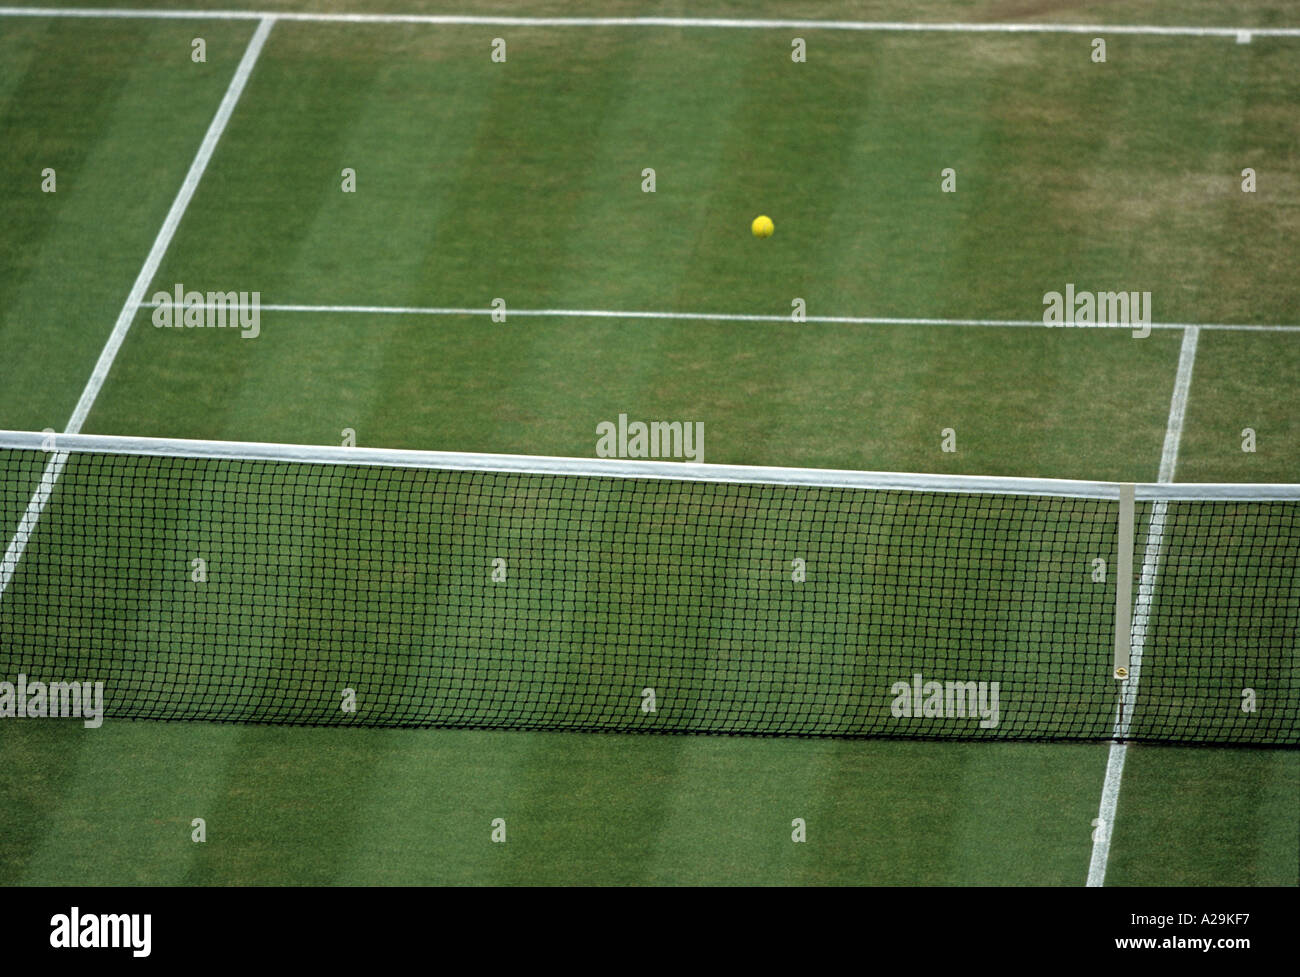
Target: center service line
point(1141, 615)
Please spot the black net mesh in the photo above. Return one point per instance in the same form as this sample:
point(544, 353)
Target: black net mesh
point(261, 591)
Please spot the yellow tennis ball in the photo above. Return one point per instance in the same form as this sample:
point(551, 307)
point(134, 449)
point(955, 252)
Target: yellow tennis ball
point(762, 227)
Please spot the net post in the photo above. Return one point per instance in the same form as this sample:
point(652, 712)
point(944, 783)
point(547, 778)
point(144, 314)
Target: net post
point(1124, 583)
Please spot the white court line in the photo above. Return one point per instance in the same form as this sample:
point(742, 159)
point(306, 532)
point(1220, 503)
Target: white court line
point(32, 515)
point(717, 22)
point(721, 317)
point(1141, 615)
point(1178, 406)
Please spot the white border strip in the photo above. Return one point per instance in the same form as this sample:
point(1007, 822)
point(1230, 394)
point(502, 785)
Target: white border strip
point(618, 468)
point(411, 310)
point(1154, 30)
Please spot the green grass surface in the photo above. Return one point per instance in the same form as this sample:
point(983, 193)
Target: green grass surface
point(119, 130)
point(523, 180)
point(365, 806)
point(1192, 817)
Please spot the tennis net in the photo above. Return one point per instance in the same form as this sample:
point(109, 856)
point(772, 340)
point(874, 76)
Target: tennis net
point(347, 586)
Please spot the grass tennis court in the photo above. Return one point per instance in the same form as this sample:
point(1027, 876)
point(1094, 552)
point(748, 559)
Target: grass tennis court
point(523, 180)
